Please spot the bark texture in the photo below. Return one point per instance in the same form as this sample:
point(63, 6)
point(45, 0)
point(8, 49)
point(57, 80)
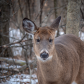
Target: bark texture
point(73, 17)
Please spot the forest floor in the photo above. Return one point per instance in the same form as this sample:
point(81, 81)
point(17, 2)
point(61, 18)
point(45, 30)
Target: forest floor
point(20, 79)
point(9, 74)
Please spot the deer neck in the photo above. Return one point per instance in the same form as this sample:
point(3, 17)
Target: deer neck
point(50, 68)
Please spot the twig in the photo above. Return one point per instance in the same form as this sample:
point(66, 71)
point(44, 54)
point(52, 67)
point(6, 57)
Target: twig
point(7, 45)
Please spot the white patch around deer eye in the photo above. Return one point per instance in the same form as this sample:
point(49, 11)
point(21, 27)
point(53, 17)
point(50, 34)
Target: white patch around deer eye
point(74, 82)
point(42, 60)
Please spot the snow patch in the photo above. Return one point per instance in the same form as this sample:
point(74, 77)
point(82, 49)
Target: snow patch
point(22, 79)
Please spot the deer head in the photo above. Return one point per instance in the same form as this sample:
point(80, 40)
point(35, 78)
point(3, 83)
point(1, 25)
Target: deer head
point(43, 38)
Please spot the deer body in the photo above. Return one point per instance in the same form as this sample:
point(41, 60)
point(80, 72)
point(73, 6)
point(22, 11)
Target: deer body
point(65, 63)
point(59, 60)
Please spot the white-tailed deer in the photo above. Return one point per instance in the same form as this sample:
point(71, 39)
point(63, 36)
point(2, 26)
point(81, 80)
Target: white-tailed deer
point(59, 60)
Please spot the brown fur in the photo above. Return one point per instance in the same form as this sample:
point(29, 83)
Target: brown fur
point(44, 33)
point(67, 52)
point(67, 63)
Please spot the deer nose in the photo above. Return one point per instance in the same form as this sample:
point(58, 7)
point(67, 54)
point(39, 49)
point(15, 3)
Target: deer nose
point(44, 55)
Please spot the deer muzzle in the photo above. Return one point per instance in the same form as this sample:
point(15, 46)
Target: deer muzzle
point(44, 55)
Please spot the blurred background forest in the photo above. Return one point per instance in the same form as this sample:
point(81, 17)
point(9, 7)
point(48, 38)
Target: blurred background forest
point(17, 58)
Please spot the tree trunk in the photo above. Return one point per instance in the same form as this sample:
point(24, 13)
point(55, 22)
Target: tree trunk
point(55, 5)
point(73, 17)
point(41, 10)
point(82, 9)
point(4, 26)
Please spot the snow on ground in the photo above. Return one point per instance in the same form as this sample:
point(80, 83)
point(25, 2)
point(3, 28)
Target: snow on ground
point(21, 79)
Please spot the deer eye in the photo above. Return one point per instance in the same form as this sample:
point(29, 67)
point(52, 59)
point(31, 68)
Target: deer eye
point(50, 40)
point(38, 40)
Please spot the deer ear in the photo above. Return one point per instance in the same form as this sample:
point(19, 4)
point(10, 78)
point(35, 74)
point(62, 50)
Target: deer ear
point(55, 23)
point(29, 25)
